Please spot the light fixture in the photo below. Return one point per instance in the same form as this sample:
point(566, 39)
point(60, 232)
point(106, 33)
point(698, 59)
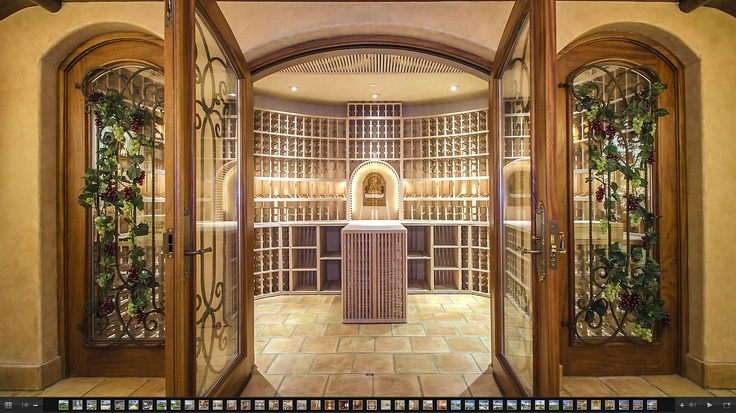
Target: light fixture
point(375, 95)
point(293, 88)
point(371, 85)
point(232, 94)
point(453, 88)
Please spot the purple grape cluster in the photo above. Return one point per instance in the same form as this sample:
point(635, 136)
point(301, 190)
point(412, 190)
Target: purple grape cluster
point(633, 202)
point(111, 247)
point(132, 274)
point(139, 315)
point(107, 306)
point(600, 193)
point(140, 179)
point(650, 160)
point(128, 194)
point(645, 241)
point(610, 132)
point(613, 156)
point(135, 123)
point(98, 119)
point(667, 319)
point(630, 301)
point(597, 127)
point(111, 189)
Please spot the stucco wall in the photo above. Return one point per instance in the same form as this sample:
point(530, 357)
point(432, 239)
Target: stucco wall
point(34, 42)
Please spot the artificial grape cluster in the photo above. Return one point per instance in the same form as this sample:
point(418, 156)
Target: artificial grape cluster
point(110, 248)
point(128, 194)
point(610, 132)
point(636, 124)
point(644, 333)
point(645, 241)
point(102, 225)
point(111, 189)
point(611, 290)
point(139, 315)
point(135, 145)
point(135, 123)
point(98, 119)
point(598, 127)
point(118, 131)
point(600, 193)
point(650, 160)
point(613, 156)
point(107, 306)
point(630, 301)
point(140, 179)
point(633, 202)
point(667, 319)
point(132, 274)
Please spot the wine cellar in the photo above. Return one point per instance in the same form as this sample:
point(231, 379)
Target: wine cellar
point(308, 176)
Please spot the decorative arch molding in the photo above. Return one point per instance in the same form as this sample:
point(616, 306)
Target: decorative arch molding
point(290, 55)
point(356, 179)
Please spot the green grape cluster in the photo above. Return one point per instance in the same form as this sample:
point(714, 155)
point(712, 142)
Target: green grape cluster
point(642, 332)
point(593, 112)
point(134, 147)
point(637, 123)
point(603, 225)
point(118, 131)
point(104, 224)
point(127, 207)
point(611, 291)
point(634, 220)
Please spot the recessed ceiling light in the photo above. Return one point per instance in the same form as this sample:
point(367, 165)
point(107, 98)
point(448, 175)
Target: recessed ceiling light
point(232, 94)
point(375, 95)
point(293, 88)
point(453, 88)
point(371, 85)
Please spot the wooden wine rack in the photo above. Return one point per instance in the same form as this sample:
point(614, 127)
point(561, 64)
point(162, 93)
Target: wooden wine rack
point(302, 169)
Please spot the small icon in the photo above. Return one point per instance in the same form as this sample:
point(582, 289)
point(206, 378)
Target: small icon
point(708, 405)
point(682, 405)
point(692, 405)
point(8, 405)
point(727, 405)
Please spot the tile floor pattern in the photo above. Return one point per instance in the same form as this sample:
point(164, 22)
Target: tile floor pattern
point(303, 349)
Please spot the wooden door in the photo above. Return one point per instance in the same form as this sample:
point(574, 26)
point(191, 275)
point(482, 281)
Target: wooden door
point(525, 360)
point(617, 66)
point(95, 342)
point(209, 347)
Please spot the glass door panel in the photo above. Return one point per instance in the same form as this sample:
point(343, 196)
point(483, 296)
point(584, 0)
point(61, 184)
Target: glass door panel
point(516, 209)
point(216, 208)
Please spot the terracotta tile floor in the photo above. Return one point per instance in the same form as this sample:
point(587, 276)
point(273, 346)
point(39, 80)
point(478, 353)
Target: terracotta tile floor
point(442, 351)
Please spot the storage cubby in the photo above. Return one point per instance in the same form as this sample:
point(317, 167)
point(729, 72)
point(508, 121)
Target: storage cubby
point(330, 275)
point(418, 242)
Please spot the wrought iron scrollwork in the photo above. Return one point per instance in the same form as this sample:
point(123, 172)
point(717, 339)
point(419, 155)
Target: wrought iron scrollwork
point(616, 267)
point(108, 319)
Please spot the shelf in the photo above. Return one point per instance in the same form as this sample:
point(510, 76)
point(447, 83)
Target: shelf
point(332, 256)
point(418, 256)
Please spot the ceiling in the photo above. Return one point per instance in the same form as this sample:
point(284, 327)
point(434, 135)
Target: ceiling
point(356, 77)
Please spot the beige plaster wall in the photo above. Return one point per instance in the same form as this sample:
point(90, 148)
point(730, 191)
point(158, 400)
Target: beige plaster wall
point(34, 42)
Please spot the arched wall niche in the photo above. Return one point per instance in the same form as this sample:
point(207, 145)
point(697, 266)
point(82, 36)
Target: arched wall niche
point(362, 204)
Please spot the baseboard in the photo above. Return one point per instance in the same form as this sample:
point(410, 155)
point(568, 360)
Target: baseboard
point(30, 376)
point(711, 375)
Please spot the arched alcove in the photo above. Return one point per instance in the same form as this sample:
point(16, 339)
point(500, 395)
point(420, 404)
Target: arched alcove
point(375, 192)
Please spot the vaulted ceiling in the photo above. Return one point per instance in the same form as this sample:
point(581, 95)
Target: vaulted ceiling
point(8, 7)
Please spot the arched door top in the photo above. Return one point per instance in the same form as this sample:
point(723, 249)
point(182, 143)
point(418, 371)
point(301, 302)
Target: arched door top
point(309, 50)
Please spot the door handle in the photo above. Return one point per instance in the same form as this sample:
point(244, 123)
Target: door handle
point(198, 252)
point(528, 251)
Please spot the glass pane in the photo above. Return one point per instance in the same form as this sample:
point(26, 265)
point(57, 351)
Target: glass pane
point(613, 86)
point(128, 99)
point(516, 173)
point(216, 209)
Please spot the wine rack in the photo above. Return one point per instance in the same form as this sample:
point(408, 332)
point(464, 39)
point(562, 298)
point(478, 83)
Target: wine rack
point(302, 167)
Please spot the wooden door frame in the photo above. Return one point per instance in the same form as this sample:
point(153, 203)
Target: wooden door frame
point(74, 221)
point(633, 47)
point(179, 89)
point(541, 14)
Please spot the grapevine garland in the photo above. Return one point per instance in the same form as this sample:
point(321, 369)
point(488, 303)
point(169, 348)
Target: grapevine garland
point(113, 192)
point(631, 276)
